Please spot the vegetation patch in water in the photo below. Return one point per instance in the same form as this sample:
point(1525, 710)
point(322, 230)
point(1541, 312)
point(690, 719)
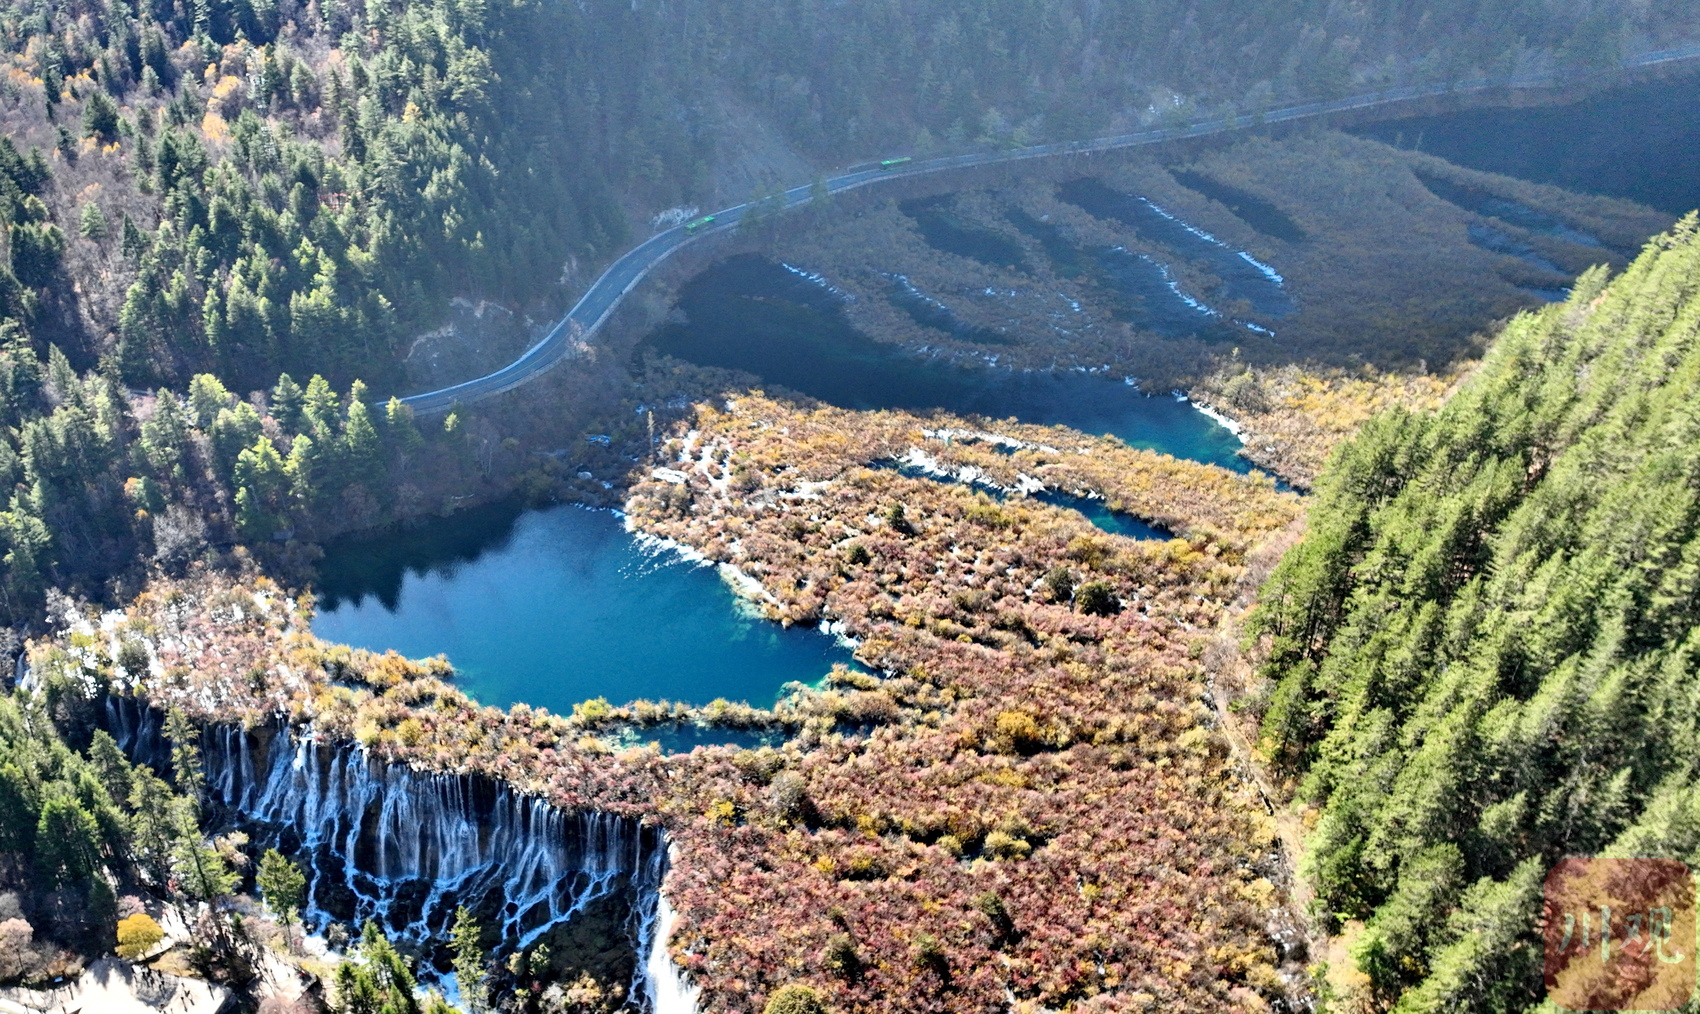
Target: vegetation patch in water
point(1262, 215)
point(946, 231)
point(1241, 275)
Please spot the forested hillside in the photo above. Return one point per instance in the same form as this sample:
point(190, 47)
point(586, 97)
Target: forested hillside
point(106, 485)
point(244, 190)
point(1483, 652)
point(244, 187)
point(95, 486)
point(77, 818)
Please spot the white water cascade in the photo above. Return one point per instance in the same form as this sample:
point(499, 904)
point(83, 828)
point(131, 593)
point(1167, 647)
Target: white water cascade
point(403, 848)
point(670, 991)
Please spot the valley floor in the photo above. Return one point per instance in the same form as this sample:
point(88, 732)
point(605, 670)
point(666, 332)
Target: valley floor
point(946, 823)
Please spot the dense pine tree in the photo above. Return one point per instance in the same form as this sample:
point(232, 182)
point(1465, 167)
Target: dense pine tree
point(1483, 652)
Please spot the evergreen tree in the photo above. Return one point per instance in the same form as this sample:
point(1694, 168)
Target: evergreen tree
point(185, 742)
point(288, 402)
point(156, 815)
point(100, 117)
point(468, 952)
point(263, 490)
point(132, 243)
point(321, 402)
point(67, 842)
point(282, 885)
point(207, 398)
point(362, 452)
point(110, 765)
point(1482, 650)
point(164, 437)
point(92, 222)
point(398, 423)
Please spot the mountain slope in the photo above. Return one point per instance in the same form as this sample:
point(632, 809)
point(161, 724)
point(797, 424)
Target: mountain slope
point(1482, 652)
point(245, 187)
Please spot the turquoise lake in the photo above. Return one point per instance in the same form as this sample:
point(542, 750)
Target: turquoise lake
point(557, 606)
point(552, 607)
point(749, 313)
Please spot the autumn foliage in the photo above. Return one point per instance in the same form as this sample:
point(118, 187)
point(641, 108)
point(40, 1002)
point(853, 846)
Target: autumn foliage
point(1033, 798)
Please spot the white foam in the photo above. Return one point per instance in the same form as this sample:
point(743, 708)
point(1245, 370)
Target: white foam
point(1221, 420)
point(1268, 272)
point(670, 991)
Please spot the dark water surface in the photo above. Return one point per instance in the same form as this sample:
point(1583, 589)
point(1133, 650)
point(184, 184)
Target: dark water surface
point(1240, 277)
point(748, 313)
point(1145, 294)
point(929, 312)
point(1494, 206)
point(1488, 238)
point(552, 607)
point(1140, 291)
point(1256, 212)
point(558, 606)
point(1095, 510)
point(944, 230)
point(1642, 142)
point(1066, 259)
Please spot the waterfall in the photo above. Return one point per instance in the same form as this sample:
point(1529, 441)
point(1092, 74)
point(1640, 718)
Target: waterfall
point(403, 848)
point(669, 992)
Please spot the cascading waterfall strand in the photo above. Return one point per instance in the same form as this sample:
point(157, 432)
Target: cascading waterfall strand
point(404, 848)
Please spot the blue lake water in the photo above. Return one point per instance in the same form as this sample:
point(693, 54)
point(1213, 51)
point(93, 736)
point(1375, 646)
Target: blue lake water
point(749, 313)
point(553, 607)
point(1241, 277)
point(1102, 517)
point(1094, 509)
point(1637, 142)
point(556, 606)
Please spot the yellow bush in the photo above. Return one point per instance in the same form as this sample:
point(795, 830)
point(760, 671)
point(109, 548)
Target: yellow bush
point(137, 935)
point(795, 999)
point(410, 732)
point(1019, 729)
point(594, 710)
point(1002, 845)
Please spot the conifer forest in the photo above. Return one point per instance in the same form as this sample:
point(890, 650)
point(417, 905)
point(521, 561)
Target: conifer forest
point(790, 507)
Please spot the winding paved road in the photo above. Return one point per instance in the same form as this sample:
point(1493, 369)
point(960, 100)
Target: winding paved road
point(621, 277)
